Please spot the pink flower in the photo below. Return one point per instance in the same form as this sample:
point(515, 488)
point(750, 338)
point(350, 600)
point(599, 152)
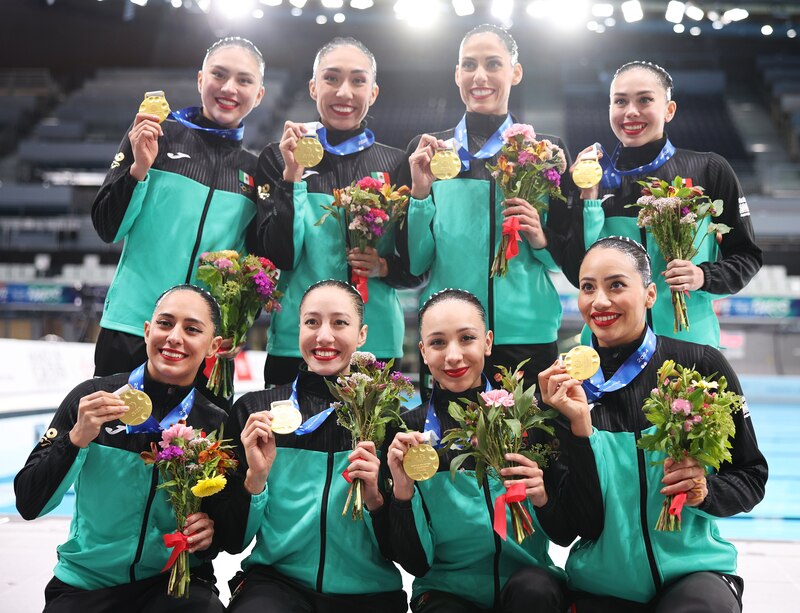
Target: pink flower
point(178, 430)
point(523, 129)
point(697, 419)
point(687, 425)
point(681, 405)
point(370, 183)
point(526, 157)
point(498, 398)
point(223, 263)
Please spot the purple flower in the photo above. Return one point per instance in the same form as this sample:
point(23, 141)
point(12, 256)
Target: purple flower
point(551, 174)
point(526, 157)
point(399, 378)
point(170, 453)
point(380, 365)
point(264, 285)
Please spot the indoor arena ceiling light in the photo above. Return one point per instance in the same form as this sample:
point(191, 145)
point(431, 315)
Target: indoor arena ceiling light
point(333, 4)
point(632, 11)
point(674, 13)
point(463, 7)
point(694, 12)
point(537, 9)
point(602, 9)
point(502, 9)
point(361, 4)
point(298, 3)
point(271, 2)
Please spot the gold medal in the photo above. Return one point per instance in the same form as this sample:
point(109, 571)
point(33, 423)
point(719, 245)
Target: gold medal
point(445, 164)
point(285, 418)
point(309, 151)
point(587, 173)
point(139, 406)
point(155, 103)
point(421, 462)
point(580, 362)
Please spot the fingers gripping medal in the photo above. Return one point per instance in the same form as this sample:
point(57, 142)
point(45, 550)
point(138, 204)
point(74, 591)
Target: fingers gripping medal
point(140, 407)
point(421, 462)
point(580, 362)
point(309, 151)
point(285, 418)
point(155, 103)
point(588, 171)
point(445, 163)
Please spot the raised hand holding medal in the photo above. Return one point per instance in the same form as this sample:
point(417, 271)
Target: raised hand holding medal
point(421, 462)
point(140, 407)
point(445, 163)
point(587, 172)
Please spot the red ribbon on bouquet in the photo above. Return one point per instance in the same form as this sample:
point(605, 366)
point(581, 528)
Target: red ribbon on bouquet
point(209, 366)
point(361, 285)
point(511, 229)
point(179, 543)
point(677, 504)
point(516, 493)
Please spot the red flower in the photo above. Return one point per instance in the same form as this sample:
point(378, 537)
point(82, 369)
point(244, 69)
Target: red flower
point(370, 183)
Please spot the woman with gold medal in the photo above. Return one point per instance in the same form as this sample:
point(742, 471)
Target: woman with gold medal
point(113, 557)
point(301, 172)
point(181, 184)
point(441, 527)
point(628, 566)
point(641, 105)
point(455, 223)
point(295, 464)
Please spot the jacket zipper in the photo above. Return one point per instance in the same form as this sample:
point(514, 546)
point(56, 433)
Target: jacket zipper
point(492, 215)
point(496, 565)
point(651, 558)
point(145, 518)
point(202, 224)
point(323, 516)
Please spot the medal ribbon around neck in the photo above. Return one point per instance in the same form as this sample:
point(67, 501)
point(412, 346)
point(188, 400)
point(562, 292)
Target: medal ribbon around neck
point(357, 143)
point(490, 147)
point(188, 115)
point(313, 422)
point(180, 412)
point(596, 386)
point(433, 427)
point(612, 178)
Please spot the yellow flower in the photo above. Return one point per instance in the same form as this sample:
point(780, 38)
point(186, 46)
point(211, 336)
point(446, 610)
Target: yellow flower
point(209, 487)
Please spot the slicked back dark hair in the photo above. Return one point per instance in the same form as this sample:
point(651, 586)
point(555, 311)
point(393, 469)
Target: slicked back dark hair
point(452, 294)
point(211, 302)
point(358, 301)
point(664, 78)
point(505, 37)
point(634, 250)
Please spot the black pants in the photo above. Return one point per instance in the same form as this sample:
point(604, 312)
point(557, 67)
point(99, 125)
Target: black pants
point(702, 592)
point(529, 590)
point(148, 595)
point(282, 370)
point(541, 357)
point(122, 352)
point(263, 589)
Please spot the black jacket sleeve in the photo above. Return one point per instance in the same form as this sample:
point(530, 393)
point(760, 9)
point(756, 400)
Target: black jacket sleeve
point(51, 459)
point(275, 214)
point(407, 548)
point(230, 508)
point(739, 485)
point(111, 201)
point(557, 229)
point(741, 257)
point(575, 500)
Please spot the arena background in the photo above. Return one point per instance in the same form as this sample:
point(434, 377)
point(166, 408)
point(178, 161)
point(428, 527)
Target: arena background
point(72, 73)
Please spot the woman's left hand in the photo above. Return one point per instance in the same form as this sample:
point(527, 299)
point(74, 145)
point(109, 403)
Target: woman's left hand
point(530, 225)
point(365, 465)
point(367, 263)
point(682, 275)
point(529, 473)
point(199, 527)
point(227, 351)
point(685, 476)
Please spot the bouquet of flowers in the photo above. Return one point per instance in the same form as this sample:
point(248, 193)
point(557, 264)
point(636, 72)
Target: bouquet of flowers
point(192, 466)
point(369, 400)
point(529, 169)
point(242, 286)
point(674, 214)
point(497, 424)
point(693, 418)
point(368, 207)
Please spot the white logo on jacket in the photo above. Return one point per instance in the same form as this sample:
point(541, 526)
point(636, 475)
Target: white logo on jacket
point(178, 156)
point(744, 210)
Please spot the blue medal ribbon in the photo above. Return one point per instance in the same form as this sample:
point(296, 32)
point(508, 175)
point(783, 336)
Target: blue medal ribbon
point(180, 412)
point(490, 147)
point(597, 385)
point(432, 423)
point(612, 178)
point(313, 422)
point(357, 143)
point(189, 115)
